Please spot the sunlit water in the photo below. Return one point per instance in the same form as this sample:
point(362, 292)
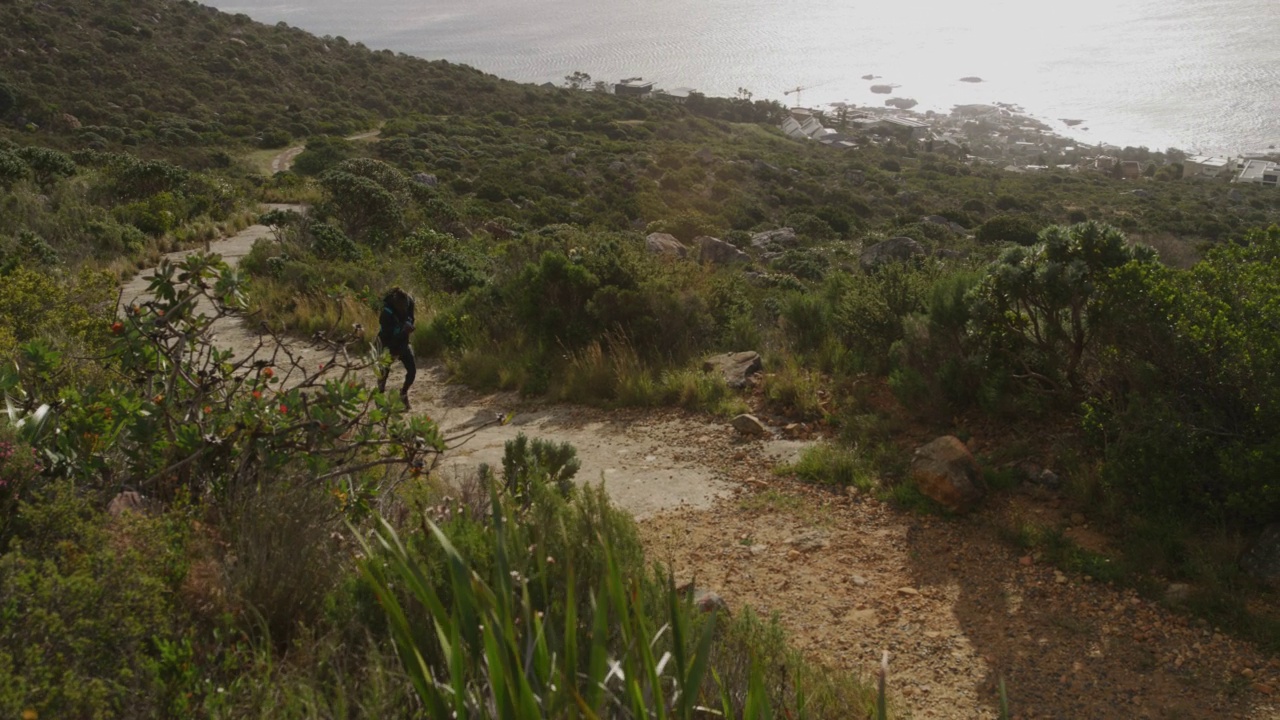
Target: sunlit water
point(1201, 75)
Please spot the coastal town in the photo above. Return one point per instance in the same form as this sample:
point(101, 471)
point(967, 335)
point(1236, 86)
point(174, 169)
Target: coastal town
point(1000, 134)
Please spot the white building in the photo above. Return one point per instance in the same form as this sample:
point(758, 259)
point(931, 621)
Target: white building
point(1262, 172)
point(1204, 166)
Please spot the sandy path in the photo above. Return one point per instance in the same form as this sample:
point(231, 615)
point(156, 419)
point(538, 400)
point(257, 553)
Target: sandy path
point(284, 161)
point(650, 462)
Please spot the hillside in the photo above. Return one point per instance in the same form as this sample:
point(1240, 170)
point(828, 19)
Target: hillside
point(174, 73)
point(208, 510)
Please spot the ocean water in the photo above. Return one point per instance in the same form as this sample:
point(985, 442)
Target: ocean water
point(1201, 75)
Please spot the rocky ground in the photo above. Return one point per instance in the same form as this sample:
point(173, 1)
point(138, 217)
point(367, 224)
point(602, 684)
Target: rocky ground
point(958, 609)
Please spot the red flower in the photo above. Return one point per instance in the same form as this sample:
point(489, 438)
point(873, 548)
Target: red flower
point(268, 372)
point(117, 327)
point(284, 409)
point(257, 394)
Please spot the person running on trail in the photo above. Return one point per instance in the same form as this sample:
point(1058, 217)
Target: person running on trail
point(395, 327)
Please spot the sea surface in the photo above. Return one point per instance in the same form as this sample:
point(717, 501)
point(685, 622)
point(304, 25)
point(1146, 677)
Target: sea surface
point(1201, 75)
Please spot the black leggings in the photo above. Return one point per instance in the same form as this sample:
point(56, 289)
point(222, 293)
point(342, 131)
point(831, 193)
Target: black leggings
point(404, 355)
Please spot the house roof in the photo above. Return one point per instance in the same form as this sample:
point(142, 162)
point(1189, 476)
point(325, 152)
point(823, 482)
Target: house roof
point(1208, 161)
point(1254, 169)
point(904, 122)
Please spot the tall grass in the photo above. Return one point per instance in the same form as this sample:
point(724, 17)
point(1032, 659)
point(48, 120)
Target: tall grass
point(489, 650)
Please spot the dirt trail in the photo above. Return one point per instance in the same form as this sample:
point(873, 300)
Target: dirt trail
point(284, 161)
point(650, 462)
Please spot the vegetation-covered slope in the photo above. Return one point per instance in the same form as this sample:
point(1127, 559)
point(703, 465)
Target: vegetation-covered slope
point(519, 216)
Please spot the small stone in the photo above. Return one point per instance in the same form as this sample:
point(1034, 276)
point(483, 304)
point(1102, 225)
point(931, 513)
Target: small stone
point(909, 591)
point(1263, 688)
point(859, 581)
point(1177, 593)
point(1025, 561)
point(1247, 672)
point(749, 425)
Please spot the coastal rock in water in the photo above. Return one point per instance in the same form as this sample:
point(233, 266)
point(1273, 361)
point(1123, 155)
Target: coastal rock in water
point(1070, 122)
point(901, 103)
point(898, 249)
point(749, 425)
point(782, 237)
point(971, 79)
point(882, 89)
point(718, 252)
point(946, 473)
point(1262, 560)
point(869, 76)
point(665, 244)
point(735, 368)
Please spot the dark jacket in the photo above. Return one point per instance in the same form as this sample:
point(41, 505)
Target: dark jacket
point(395, 326)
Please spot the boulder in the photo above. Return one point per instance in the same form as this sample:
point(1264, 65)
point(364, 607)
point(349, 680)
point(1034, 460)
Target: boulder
point(1262, 559)
point(704, 155)
point(735, 368)
point(749, 425)
point(971, 79)
point(426, 179)
point(665, 244)
point(718, 252)
point(617, 166)
point(897, 249)
point(127, 502)
point(882, 89)
point(782, 237)
point(901, 103)
point(946, 473)
point(936, 220)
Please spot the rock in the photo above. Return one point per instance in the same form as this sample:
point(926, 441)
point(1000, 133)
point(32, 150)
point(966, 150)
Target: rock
point(127, 501)
point(882, 89)
point(936, 220)
point(898, 249)
point(1026, 561)
point(736, 368)
point(665, 244)
point(859, 581)
point(810, 541)
point(782, 237)
point(1077, 518)
point(1141, 193)
point(971, 79)
point(1262, 560)
point(946, 472)
point(705, 156)
point(869, 76)
point(617, 166)
point(949, 254)
point(749, 425)
point(908, 591)
point(1263, 688)
point(718, 252)
point(760, 165)
point(708, 601)
point(70, 122)
point(957, 228)
point(901, 103)
point(427, 179)
point(1177, 593)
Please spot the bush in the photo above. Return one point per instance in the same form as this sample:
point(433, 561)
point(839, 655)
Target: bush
point(1018, 229)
